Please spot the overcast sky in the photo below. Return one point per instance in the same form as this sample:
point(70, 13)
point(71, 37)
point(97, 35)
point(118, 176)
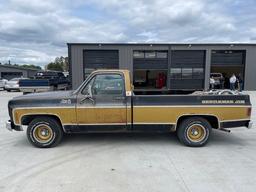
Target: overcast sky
point(36, 31)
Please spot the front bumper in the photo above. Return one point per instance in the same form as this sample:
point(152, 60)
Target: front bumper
point(250, 124)
point(10, 126)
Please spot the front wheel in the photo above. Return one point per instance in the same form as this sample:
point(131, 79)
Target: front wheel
point(194, 131)
point(44, 132)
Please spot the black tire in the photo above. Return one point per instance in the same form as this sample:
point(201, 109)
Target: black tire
point(48, 126)
point(194, 131)
point(8, 90)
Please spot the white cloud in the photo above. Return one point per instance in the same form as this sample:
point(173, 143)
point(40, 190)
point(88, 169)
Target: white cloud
point(38, 36)
point(36, 31)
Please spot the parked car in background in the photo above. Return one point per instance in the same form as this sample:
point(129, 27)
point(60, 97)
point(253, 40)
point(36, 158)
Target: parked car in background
point(218, 80)
point(2, 83)
point(44, 81)
point(13, 84)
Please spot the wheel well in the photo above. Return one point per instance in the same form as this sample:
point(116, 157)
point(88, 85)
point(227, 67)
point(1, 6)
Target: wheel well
point(213, 120)
point(25, 120)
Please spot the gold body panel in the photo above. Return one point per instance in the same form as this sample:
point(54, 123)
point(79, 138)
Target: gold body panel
point(141, 115)
point(171, 114)
point(66, 115)
point(101, 115)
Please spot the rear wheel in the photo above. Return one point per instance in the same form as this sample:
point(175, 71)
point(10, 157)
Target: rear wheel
point(44, 132)
point(194, 131)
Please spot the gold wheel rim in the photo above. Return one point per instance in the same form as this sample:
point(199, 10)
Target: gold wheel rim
point(196, 133)
point(43, 133)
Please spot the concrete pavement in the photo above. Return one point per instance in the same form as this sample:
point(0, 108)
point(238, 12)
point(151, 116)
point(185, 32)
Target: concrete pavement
point(127, 162)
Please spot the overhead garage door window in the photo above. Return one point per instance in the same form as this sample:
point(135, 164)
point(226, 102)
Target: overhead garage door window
point(150, 54)
point(161, 54)
point(187, 73)
point(198, 73)
point(138, 54)
point(176, 73)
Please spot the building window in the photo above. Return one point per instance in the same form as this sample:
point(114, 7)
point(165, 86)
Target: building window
point(138, 54)
point(187, 73)
point(198, 73)
point(176, 73)
point(150, 54)
point(161, 54)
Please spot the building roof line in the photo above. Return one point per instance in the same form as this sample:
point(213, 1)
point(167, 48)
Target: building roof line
point(168, 44)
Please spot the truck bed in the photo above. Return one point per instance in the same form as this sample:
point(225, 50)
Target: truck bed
point(166, 109)
point(42, 85)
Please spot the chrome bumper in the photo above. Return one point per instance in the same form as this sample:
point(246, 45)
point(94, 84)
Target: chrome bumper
point(8, 125)
point(250, 125)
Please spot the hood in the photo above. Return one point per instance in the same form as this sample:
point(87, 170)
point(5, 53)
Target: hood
point(46, 99)
point(45, 95)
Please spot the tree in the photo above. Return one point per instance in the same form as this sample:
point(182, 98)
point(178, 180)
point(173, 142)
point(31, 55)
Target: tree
point(30, 66)
point(54, 66)
point(59, 64)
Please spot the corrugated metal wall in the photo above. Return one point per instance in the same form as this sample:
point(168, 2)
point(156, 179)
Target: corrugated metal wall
point(126, 58)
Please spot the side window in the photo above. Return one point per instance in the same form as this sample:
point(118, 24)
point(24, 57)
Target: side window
point(108, 84)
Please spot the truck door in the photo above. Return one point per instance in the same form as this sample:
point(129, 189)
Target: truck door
point(101, 105)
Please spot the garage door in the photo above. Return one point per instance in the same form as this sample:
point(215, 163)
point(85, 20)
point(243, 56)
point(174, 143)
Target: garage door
point(228, 58)
point(101, 59)
point(187, 70)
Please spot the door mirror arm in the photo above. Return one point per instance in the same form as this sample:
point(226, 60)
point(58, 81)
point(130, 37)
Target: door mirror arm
point(87, 97)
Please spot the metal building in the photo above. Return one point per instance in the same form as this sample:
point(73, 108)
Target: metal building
point(177, 66)
point(8, 72)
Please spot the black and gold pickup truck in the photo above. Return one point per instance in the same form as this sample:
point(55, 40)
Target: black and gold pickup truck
point(105, 102)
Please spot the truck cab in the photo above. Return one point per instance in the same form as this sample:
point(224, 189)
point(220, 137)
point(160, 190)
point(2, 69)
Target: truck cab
point(103, 102)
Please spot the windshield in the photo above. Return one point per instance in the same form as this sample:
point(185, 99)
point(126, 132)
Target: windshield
point(82, 84)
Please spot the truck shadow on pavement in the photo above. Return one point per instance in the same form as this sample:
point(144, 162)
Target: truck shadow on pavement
point(218, 138)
